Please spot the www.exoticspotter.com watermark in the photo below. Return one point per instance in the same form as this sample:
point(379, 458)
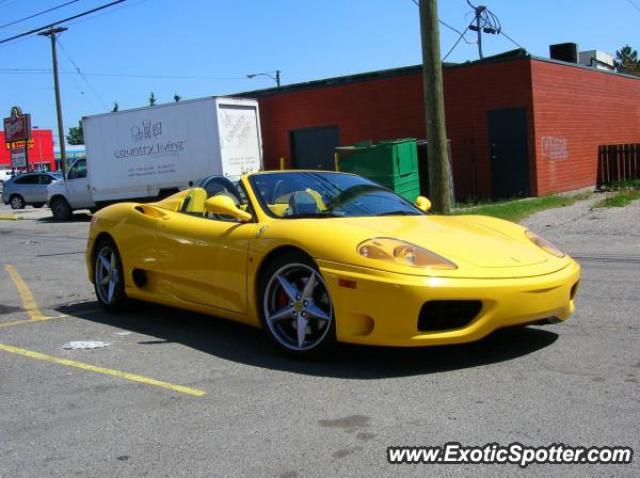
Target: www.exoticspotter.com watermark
point(514, 453)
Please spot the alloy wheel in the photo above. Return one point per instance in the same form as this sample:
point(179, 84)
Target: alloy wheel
point(297, 307)
point(17, 202)
point(107, 277)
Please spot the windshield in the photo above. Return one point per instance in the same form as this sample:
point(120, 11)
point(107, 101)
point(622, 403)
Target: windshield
point(322, 194)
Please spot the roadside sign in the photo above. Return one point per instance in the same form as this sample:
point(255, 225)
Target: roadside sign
point(20, 144)
point(17, 133)
point(18, 158)
point(17, 127)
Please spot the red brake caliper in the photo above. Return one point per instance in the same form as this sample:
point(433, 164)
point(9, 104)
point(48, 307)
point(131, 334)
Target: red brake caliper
point(282, 299)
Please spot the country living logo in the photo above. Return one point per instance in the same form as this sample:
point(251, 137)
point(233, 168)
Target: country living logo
point(148, 130)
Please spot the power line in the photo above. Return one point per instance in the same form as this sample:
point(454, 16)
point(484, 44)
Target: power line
point(455, 44)
point(50, 25)
point(634, 4)
point(93, 90)
point(109, 12)
point(442, 22)
point(511, 39)
point(124, 75)
point(57, 7)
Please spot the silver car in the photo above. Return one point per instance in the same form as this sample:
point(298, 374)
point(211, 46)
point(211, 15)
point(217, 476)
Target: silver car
point(29, 188)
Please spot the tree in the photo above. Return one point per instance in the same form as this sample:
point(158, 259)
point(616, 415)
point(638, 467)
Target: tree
point(177, 97)
point(152, 99)
point(115, 107)
point(76, 135)
point(627, 61)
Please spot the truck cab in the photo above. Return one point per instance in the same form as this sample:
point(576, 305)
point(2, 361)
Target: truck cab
point(64, 197)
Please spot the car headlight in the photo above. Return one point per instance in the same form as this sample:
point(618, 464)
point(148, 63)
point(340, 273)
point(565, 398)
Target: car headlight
point(542, 243)
point(402, 253)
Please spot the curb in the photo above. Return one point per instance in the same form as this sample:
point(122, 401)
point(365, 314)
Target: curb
point(10, 217)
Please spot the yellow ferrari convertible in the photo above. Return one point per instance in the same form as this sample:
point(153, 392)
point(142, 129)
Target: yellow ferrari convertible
point(317, 257)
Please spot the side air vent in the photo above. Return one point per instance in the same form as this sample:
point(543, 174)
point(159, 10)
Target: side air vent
point(139, 278)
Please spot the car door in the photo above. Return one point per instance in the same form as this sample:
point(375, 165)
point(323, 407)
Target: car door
point(40, 192)
point(78, 186)
point(26, 186)
point(205, 260)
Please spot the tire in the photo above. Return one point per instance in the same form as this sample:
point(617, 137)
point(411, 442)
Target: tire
point(60, 209)
point(38, 204)
point(17, 202)
point(108, 276)
point(286, 306)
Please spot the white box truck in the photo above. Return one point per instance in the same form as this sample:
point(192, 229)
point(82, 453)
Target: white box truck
point(151, 152)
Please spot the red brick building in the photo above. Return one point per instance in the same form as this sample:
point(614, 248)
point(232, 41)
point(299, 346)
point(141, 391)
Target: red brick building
point(41, 156)
point(518, 124)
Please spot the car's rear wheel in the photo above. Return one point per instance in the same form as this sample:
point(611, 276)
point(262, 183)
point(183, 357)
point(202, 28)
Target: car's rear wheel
point(17, 202)
point(60, 209)
point(108, 276)
point(296, 309)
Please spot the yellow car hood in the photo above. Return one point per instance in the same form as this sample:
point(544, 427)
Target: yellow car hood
point(462, 241)
point(480, 246)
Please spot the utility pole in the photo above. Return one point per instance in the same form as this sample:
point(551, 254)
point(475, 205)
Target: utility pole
point(52, 33)
point(439, 189)
point(278, 78)
point(478, 12)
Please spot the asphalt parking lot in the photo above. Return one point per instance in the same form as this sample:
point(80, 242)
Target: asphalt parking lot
point(179, 394)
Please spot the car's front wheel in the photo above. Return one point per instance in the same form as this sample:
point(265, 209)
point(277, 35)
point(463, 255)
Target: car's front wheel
point(17, 202)
point(296, 309)
point(108, 276)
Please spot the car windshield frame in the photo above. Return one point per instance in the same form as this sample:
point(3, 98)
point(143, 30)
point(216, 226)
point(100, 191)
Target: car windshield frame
point(412, 210)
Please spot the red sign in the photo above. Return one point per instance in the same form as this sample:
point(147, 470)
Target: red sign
point(17, 127)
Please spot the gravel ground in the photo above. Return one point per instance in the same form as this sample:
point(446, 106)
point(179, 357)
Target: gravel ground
point(583, 230)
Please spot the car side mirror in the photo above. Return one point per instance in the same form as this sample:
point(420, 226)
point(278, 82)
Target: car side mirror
point(222, 204)
point(423, 203)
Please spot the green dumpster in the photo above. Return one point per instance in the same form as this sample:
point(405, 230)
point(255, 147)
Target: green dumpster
point(392, 164)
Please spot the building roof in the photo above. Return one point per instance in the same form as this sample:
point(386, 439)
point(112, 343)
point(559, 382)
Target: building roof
point(508, 56)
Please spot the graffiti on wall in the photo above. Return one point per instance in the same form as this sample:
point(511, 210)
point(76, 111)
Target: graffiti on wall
point(554, 147)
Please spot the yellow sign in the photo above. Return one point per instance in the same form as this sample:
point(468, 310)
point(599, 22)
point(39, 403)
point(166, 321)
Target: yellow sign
point(18, 144)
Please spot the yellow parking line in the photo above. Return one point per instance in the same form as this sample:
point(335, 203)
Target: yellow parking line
point(106, 371)
point(23, 321)
point(9, 217)
point(28, 302)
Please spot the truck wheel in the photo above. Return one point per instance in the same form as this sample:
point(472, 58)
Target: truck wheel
point(17, 202)
point(61, 209)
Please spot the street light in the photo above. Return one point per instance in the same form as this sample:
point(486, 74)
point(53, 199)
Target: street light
point(274, 75)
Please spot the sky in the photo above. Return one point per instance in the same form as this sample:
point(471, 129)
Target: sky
point(197, 48)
